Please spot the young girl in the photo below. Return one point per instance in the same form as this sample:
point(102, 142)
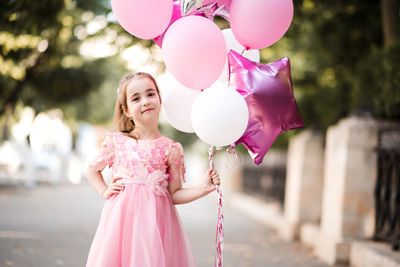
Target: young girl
point(139, 225)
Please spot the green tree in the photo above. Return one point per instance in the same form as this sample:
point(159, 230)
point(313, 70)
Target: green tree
point(41, 63)
point(377, 86)
point(331, 45)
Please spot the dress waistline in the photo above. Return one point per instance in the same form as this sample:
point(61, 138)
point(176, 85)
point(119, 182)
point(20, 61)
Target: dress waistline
point(159, 187)
point(131, 181)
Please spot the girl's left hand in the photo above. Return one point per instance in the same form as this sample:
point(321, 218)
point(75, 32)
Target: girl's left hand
point(212, 180)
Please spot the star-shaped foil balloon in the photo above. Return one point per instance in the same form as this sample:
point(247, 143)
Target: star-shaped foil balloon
point(268, 92)
point(209, 8)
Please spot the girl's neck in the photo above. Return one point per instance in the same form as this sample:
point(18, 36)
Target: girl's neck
point(147, 132)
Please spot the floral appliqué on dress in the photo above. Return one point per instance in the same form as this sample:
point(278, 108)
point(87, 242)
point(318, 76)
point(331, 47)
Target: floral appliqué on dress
point(150, 162)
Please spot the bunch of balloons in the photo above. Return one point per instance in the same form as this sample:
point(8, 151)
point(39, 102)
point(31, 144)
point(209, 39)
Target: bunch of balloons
point(225, 95)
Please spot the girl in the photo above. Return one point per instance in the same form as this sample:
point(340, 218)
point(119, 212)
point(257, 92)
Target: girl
point(139, 225)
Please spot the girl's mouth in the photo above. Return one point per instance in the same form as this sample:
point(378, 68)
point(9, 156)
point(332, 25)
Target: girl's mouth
point(149, 109)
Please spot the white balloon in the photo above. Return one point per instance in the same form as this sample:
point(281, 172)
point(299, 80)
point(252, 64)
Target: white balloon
point(233, 44)
point(177, 105)
point(219, 116)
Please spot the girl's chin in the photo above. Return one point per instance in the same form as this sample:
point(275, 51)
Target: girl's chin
point(150, 116)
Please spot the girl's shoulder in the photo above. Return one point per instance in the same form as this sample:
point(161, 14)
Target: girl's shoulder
point(117, 135)
point(114, 138)
point(106, 137)
point(109, 136)
point(166, 139)
point(169, 141)
point(170, 144)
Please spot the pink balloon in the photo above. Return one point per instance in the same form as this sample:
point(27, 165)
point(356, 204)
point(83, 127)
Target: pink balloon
point(194, 51)
point(176, 14)
point(260, 23)
point(145, 19)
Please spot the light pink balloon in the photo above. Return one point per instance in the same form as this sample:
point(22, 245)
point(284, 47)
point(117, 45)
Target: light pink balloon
point(145, 19)
point(194, 51)
point(260, 23)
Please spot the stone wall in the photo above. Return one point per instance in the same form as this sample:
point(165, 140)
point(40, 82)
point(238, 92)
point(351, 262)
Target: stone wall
point(304, 182)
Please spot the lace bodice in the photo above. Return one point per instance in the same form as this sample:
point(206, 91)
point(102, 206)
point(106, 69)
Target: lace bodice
point(152, 162)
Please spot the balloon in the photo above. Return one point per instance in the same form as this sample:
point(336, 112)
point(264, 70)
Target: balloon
point(219, 116)
point(177, 104)
point(194, 51)
point(190, 6)
point(257, 24)
point(176, 14)
point(145, 19)
point(268, 92)
point(210, 7)
point(233, 44)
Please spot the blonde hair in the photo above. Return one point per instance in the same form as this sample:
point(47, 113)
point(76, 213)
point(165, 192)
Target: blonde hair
point(123, 123)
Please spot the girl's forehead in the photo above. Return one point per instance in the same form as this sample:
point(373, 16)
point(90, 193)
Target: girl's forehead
point(139, 85)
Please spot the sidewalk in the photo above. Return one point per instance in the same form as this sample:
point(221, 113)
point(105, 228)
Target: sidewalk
point(54, 226)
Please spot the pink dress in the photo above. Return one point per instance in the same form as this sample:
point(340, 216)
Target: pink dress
point(140, 227)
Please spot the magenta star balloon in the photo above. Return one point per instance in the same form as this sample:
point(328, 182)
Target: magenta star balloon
point(268, 92)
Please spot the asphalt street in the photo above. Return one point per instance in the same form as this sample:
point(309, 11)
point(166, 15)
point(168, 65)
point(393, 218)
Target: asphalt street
point(53, 225)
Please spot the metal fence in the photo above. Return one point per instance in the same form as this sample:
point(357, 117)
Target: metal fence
point(387, 190)
point(266, 181)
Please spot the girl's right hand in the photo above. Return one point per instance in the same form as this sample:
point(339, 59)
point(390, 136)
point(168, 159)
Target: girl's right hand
point(112, 189)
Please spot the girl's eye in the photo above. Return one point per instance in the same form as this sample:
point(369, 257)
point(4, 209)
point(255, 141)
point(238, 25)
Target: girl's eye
point(151, 94)
point(135, 99)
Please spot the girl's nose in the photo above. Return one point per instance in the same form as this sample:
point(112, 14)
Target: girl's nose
point(146, 101)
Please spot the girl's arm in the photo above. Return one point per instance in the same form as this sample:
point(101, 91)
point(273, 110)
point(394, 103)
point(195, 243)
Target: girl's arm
point(181, 195)
point(93, 172)
point(96, 180)
point(176, 171)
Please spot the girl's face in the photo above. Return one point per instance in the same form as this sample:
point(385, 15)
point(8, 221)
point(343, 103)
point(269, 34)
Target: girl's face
point(143, 101)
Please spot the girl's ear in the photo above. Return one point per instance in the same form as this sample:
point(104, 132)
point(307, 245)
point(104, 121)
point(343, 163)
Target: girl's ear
point(125, 111)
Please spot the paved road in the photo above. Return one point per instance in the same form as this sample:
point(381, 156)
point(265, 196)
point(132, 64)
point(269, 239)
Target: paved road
point(54, 226)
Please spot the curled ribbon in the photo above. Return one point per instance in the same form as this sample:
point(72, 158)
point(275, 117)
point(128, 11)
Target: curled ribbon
point(219, 238)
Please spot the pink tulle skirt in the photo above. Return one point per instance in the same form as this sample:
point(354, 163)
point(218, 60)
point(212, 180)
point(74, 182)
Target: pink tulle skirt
point(139, 228)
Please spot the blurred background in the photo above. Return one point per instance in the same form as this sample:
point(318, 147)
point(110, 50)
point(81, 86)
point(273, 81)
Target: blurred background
point(60, 65)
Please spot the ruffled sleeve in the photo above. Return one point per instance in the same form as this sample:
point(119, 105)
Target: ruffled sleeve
point(176, 166)
point(105, 156)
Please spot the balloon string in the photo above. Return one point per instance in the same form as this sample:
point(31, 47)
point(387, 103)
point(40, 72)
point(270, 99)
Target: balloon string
point(219, 238)
point(229, 73)
point(231, 150)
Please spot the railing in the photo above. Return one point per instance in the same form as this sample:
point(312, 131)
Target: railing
point(266, 181)
point(387, 190)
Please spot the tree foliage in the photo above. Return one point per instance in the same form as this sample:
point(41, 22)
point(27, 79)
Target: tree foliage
point(377, 87)
point(41, 62)
point(336, 47)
